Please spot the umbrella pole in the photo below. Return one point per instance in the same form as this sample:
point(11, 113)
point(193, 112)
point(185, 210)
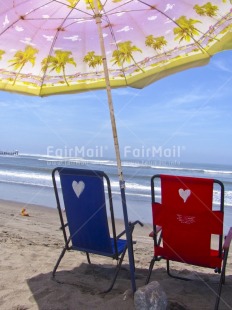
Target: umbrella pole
point(116, 145)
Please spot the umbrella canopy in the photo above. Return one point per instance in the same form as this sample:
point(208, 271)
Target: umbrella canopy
point(49, 47)
point(67, 46)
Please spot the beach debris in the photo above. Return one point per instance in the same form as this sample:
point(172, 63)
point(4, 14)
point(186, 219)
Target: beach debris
point(24, 212)
point(150, 297)
point(128, 294)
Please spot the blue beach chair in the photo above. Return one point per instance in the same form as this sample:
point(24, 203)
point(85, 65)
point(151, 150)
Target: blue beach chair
point(84, 199)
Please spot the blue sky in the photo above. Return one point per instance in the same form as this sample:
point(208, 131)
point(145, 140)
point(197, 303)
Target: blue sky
point(189, 113)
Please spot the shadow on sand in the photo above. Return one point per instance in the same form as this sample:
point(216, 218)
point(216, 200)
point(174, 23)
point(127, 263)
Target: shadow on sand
point(82, 287)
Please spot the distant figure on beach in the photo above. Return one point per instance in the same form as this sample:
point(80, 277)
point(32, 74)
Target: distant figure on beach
point(24, 212)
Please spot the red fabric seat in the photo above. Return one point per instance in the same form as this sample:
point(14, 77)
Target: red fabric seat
point(187, 221)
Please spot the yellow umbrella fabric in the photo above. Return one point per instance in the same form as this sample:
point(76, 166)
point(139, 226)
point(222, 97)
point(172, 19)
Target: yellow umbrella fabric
point(51, 47)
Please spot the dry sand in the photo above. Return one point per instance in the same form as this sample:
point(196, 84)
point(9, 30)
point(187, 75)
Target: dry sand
point(31, 245)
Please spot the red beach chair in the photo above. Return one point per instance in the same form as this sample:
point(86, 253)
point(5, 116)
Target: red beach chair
point(184, 223)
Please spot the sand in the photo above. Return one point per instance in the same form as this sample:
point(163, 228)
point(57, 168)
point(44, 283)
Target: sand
point(31, 245)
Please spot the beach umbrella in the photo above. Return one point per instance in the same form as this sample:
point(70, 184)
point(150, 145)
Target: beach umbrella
point(68, 46)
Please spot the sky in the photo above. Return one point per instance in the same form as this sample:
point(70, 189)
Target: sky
point(186, 117)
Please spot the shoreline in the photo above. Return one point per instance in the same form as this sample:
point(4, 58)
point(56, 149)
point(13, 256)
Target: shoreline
point(137, 209)
point(30, 247)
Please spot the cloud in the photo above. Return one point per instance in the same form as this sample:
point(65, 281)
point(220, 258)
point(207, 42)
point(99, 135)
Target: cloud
point(48, 38)
point(81, 20)
point(6, 21)
point(123, 92)
point(22, 105)
point(221, 65)
point(73, 38)
point(120, 14)
point(19, 29)
point(4, 104)
point(27, 41)
point(125, 29)
point(186, 99)
point(152, 17)
point(169, 21)
point(169, 7)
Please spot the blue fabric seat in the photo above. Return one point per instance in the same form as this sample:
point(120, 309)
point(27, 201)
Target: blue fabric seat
point(84, 195)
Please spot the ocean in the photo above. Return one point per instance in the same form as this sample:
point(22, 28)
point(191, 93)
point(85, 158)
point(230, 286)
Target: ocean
point(27, 178)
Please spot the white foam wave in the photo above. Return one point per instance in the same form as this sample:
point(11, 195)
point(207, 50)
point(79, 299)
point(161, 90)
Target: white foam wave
point(26, 178)
point(132, 164)
point(26, 183)
point(217, 171)
point(24, 175)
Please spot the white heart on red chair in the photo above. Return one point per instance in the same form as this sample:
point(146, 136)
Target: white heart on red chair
point(78, 187)
point(184, 194)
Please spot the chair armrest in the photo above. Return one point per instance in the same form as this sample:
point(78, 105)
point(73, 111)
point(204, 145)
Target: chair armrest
point(65, 225)
point(152, 233)
point(120, 235)
point(132, 225)
point(136, 222)
point(228, 239)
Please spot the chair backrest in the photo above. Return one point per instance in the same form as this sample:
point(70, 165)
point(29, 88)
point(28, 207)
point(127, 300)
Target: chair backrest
point(85, 207)
point(188, 220)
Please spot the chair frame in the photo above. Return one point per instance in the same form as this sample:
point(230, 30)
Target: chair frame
point(156, 234)
point(67, 239)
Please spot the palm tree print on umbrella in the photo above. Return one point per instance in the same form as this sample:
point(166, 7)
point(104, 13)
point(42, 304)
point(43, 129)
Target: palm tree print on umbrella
point(72, 3)
point(90, 4)
point(186, 29)
point(1, 53)
point(124, 53)
point(156, 43)
point(58, 62)
point(193, 34)
point(206, 10)
point(92, 60)
point(23, 57)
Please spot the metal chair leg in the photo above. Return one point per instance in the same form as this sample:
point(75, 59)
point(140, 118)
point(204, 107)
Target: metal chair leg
point(116, 272)
point(150, 269)
point(88, 258)
point(58, 261)
point(222, 279)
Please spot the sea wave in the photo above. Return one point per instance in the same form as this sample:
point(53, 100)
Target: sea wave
point(217, 171)
point(140, 163)
point(26, 183)
point(35, 170)
point(26, 178)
